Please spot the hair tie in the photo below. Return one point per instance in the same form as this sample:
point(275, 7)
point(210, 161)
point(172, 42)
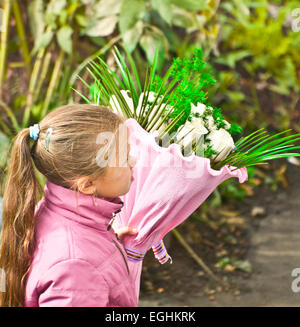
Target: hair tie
point(47, 138)
point(34, 131)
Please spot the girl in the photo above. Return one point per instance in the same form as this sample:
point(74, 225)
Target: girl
point(68, 255)
point(63, 251)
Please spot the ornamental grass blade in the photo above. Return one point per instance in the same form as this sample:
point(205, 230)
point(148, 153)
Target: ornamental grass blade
point(259, 146)
point(242, 142)
point(83, 97)
point(148, 86)
point(125, 72)
point(108, 82)
point(134, 70)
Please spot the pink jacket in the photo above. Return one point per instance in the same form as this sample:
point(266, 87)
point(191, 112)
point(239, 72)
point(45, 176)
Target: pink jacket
point(77, 262)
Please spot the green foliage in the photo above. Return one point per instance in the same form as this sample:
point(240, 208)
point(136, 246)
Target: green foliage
point(234, 129)
point(193, 78)
point(56, 25)
point(4, 147)
point(259, 54)
point(268, 43)
point(54, 18)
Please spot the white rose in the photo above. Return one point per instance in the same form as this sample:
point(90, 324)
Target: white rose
point(115, 103)
point(185, 135)
point(189, 133)
point(199, 108)
point(227, 125)
point(211, 123)
point(198, 123)
point(221, 141)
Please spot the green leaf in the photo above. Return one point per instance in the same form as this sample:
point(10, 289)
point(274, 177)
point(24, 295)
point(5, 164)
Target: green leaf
point(108, 7)
point(233, 57)
point(131, 12)
point(63, 17)
point(43, 41)
point(183, 18)
point(235, 96)
point(243, 265)
point(37, 19)
point(56, 6)
point(191, 4)
point(64, 38)
point(102, 27)
point(164, 8)
point(82, 20)
point(53, 10)
point(150, 42)
point(4, 147)
point(223, 262)
point(132, 36)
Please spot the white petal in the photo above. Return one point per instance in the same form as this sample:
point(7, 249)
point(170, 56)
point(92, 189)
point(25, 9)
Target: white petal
point(211, 123)
point(227, 125)
point(151, 99)
point(189, 134)
point(199, 125)
point(221, 140)
point(128, 100)
point(200, 108)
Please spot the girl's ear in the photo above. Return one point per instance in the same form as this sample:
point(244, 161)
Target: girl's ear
point(85, 185)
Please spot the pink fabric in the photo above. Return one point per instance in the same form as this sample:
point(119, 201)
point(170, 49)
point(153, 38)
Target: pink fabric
point(167, 189)
point(77, 262)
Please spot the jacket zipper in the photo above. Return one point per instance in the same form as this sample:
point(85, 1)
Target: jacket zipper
point(117, 245)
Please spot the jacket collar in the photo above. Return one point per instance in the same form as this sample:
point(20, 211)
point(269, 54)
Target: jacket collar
point(84, 209)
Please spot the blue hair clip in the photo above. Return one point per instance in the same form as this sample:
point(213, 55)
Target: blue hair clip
point(47, 138)
point(34, 131)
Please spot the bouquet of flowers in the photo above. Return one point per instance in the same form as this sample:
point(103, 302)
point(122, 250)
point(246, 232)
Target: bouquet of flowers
point(176, 109)
point(171, 121)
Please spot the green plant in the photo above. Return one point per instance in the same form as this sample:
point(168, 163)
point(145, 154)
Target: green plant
point(56, 27)
point(259, 57)
point(252, 31)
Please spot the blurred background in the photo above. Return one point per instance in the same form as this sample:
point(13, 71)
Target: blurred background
point(253, 48)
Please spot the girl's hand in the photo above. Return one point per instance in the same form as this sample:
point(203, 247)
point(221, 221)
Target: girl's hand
point(126, 231)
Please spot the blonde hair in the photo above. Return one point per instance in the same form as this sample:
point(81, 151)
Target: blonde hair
point(72, 153)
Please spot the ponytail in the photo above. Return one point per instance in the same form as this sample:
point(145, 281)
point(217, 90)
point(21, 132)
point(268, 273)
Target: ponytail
point(21, 194)
point(70, 152)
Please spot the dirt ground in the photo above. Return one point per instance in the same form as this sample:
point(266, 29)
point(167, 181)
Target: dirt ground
point(269, 242)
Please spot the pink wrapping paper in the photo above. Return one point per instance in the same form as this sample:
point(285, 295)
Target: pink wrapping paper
point(166, 190)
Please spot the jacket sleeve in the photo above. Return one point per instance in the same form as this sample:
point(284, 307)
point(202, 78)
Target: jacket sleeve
point(166, 190)
point(73, 283)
